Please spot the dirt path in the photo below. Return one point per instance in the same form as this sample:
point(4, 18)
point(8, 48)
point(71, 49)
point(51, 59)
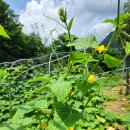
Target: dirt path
point(117, 106)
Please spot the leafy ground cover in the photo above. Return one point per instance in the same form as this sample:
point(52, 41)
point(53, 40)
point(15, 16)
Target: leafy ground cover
point(54, 103)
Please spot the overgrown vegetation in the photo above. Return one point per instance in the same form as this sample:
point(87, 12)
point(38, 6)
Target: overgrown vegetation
point(70, 99)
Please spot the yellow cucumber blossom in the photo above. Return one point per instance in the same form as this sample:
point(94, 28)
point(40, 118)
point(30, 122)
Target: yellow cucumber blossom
point(65, 68)
point(91, 78)
point(43, 125)
point(71, 128)
point(101, 48)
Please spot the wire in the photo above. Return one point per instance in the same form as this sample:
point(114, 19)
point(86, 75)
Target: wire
point(30, 84)
point(28, 59)
point(7, 54)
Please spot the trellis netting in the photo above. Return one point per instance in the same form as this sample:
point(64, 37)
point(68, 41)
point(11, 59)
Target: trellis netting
point(46, 65)
point(29, 75)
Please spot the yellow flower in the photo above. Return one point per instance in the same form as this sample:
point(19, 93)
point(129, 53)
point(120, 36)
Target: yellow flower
point(65, 68)
point(71, 128)
point(43, 125)
point(101, 48)
point(91, 78)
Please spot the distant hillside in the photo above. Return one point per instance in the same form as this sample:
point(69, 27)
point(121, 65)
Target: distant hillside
point(114, 45)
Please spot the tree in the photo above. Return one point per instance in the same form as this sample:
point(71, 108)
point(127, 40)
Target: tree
point(19, 45)
point(127, 6)
point(32, 46)
point(60, 43)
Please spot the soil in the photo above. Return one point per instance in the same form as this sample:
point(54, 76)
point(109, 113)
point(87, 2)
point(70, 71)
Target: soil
point(117, 106)
point(119, 103)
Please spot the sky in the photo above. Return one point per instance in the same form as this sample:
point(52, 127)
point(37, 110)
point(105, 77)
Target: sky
point(88, 16)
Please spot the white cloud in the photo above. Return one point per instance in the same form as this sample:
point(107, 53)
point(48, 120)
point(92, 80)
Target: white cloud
point(88, 16)
point(33, 20)
point(100, 30)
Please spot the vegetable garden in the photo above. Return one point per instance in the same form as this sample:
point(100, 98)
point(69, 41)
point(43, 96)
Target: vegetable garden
point(72, 96)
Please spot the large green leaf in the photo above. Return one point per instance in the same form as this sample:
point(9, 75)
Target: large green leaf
point(65, 115)
point(61, 89)
point(3, 32)
point(111, 61)
point(21, 110)
point(80, 57)
point(28, 107)
point(84, 43)
point(127, 48)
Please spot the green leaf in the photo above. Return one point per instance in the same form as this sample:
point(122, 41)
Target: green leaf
point(56, 126)
point(25, 121)
point(11, 126)
point(111, 61)
point(125, 117)
point(122, 18)
point(100, 119)
point(65, 115)
point(20, 112)
point(28, 107)
point(84, 43)
point(127, 48)
point(84, 86)
point(91, 110)
point(110, 115)
point(41, 104)
point(3, 32)
point(61, 89)
point(125, 35)
point(37, 79)
point(70, 24)
point(110, 21)
point(21, 124)
point(4, 73)
point(80, 57)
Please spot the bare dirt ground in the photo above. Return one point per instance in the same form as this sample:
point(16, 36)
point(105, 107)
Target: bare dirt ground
point(117, 106)
point(119, 103)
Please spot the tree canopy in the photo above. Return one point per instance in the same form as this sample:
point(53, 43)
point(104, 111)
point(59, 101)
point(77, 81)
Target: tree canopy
point(61, 42)
point(20, 45)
